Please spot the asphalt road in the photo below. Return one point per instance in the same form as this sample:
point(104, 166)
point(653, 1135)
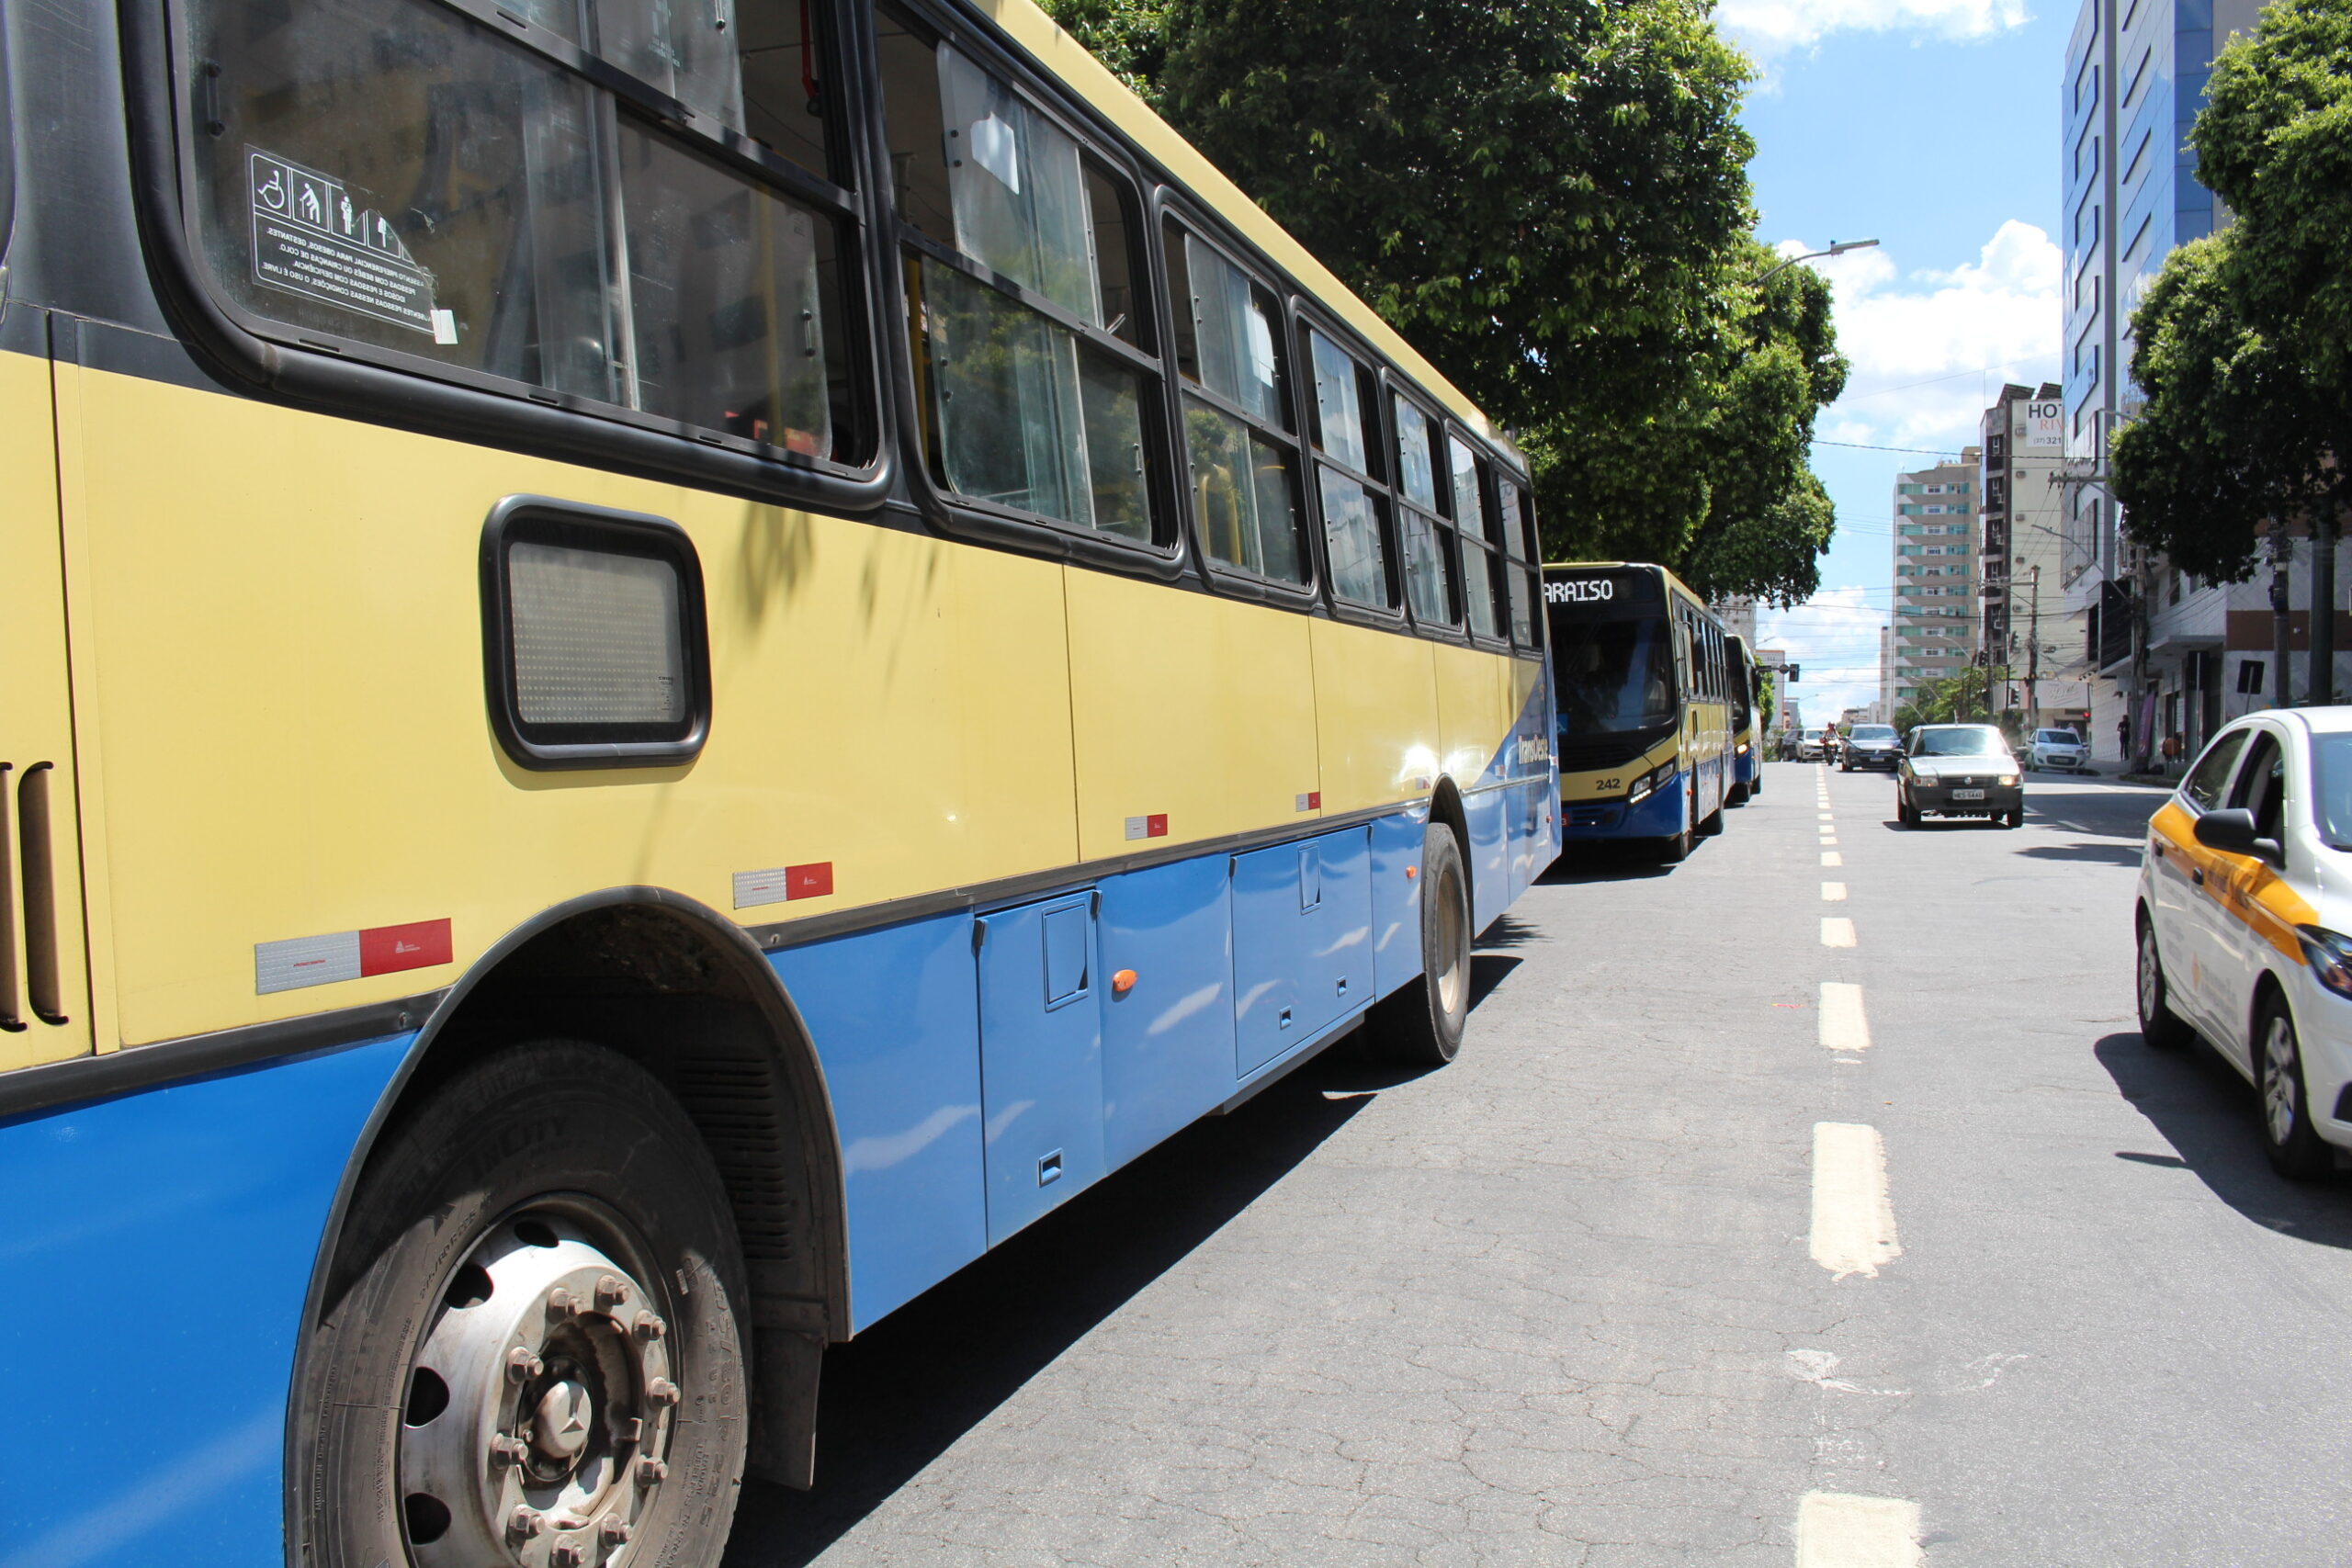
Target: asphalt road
point(1602, 1292)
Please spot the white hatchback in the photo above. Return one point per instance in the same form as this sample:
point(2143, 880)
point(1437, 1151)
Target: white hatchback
point(2061, 748)
point(2245, 904)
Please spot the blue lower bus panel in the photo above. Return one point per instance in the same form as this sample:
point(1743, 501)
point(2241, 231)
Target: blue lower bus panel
point(158, 1252)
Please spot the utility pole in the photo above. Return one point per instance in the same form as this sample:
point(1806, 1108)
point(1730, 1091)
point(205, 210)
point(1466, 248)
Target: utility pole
point(2322, 685)
point(2282, 620)
point(2033, 656)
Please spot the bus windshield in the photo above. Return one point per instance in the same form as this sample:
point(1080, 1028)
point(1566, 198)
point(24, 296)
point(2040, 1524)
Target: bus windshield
point(1614, 675)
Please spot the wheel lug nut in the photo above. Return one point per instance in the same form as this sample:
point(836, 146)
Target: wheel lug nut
point(562, 1302)
point(522, 1365)
point(662, 1391)
point(611, 1290)
point(613, 1532)
point(566, 1554)
point(651, 1471)
point(525, 1522)
point(650, 1326)
point(506, 1451)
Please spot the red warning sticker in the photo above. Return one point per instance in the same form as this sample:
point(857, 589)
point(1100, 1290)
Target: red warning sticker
point(386, 949)
point(814, 881)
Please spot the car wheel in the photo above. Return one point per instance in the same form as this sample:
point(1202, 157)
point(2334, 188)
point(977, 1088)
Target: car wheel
point(1904, 812)
point(2160, 1027)
point(2296, 1149)
point(2015, 818)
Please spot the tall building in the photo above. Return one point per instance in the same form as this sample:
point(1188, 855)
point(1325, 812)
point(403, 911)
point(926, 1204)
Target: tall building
point(1935, 630)
point(2135, 80)
point(2026, 625)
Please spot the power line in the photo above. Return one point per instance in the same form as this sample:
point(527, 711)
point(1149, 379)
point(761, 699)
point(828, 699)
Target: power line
point(1862, 447)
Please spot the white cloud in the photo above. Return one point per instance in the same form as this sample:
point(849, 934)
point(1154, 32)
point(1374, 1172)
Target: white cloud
point(1834, 636)
point(1931, 349)
point(1772, 27)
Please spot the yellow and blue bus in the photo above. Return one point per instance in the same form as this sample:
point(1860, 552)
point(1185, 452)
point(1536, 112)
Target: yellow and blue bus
point(1643, 687)
point(664, 667)
point(1743, 683)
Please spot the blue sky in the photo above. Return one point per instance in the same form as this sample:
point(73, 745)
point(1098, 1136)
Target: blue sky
point(1931, 125)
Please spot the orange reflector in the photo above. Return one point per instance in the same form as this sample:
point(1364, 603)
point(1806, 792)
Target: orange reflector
point(1122, 982)
point(1412, 872)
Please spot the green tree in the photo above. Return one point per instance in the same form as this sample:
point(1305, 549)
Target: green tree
point(1550, 199)
point(2243, 344)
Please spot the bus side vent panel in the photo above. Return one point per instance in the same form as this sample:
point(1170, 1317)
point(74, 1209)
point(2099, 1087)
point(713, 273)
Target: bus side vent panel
point(42, 981)
point(735, 1103)
point(12, 1018)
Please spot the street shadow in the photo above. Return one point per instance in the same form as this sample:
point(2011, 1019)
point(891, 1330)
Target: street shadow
point(1605, 859)
point(2210, 1115)
point(901, 1393)
point(2105, 854)
point(1507, 930)
point(1488, 970)
point(2104, 813)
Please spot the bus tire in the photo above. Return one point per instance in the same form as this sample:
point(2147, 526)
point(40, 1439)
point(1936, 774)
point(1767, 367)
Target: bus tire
point(538, 1263)
point(1675, 848)
point(1421, 1023)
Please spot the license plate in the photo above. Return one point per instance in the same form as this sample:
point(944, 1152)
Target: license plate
point(1968, 795)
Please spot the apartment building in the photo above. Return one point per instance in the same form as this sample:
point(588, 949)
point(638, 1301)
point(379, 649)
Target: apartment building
point(1936, 629)
point(2027, 623)
point(2135, 74)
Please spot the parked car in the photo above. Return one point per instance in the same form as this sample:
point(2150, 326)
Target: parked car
point(1959, 769)
point(1870, 746)
point(2241, 919)
point(2060, 748)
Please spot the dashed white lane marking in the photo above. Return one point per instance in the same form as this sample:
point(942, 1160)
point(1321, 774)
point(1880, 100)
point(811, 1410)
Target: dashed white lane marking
point(1836, 931)
point(1833, 892)
point(1853, 1223)
point(1825, 816)
point(1843, 1027)
point(1838, 1529)
point(1831, 857)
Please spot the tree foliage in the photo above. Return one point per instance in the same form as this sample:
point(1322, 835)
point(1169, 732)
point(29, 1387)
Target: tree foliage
point(2242, 347)
point(1549, 199)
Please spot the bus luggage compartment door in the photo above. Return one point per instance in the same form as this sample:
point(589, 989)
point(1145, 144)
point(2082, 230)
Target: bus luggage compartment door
point(1041, 1058)
point(1302, 941)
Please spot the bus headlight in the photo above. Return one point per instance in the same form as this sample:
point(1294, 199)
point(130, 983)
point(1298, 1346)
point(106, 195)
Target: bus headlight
point(1743, 748)
point(1643, 785)
point(2330, 956)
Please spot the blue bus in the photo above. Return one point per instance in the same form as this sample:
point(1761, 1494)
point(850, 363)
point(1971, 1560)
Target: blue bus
point(1643, 705)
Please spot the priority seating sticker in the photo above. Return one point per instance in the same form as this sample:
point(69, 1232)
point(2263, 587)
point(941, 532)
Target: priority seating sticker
point(310, 238)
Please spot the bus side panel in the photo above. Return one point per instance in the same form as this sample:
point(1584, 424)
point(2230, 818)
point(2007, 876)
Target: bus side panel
point(894, 1015)
point(160, 1248)
point(1192, 716)
point(1485, 812)
point(1167, 1042)
point(36, 751)
point(890, 707)
point(1470, 715)
point(1376, 714)
point(1397, 843)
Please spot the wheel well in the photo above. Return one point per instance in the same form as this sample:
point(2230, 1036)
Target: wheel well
point(696, 1007)
point(2266, 989)
point(1445, 805)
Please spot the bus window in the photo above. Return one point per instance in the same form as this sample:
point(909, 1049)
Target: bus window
point(1479, 565)
point(1028, 410)
point(389, 173)
point(1613, 654)
point(1429, 560)
point(1510, 531)
point(1351, 521)
point(1243, 464)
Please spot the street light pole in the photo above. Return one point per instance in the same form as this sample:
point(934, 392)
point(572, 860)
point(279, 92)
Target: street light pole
point(2033, 654)
point(1836, 248)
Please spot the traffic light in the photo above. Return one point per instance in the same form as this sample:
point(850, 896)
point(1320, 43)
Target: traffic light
point(1796, 673)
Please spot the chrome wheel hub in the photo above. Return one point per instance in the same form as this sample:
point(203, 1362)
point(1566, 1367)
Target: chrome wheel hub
point(2278, 1080)
point(538, 1406)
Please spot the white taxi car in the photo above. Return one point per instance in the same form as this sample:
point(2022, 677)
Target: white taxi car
point(2245, 904)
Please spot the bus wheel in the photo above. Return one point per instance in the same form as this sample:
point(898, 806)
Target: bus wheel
point(528, 1356)
point(1675, 847)
point(1422, 1022)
